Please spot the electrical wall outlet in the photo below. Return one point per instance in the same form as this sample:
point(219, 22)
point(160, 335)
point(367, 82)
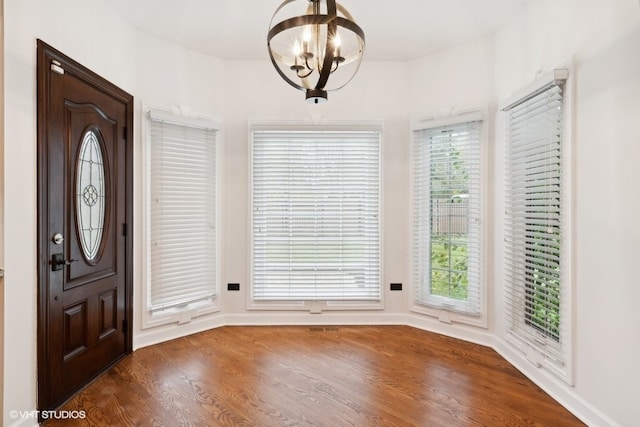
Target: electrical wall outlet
point(233, 286)
point(396, 286)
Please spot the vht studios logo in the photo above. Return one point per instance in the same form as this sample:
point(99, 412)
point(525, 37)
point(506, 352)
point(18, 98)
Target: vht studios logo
point(48, 415)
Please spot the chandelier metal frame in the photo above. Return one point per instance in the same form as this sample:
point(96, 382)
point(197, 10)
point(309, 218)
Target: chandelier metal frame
point(298, 67)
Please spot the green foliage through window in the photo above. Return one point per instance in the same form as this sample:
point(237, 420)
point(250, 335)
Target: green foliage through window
point(447, 217)
point(449, 267)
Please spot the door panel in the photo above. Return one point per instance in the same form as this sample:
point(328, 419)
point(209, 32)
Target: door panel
point(84, 208)
point(85, 119)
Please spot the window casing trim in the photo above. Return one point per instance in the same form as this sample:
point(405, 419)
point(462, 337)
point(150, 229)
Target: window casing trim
point(310, 125)
point(533, 351)
point(454, 312)
point(181, 314)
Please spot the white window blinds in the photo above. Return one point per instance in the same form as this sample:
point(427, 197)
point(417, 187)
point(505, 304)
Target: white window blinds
point(446, 217)
point(534, 220)
point(316, 216)
point(182, 241)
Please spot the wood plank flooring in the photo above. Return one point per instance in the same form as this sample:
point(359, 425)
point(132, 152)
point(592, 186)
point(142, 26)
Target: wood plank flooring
point(315, 376)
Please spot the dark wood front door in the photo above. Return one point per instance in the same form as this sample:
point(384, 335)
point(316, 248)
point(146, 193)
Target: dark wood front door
point(84, 217)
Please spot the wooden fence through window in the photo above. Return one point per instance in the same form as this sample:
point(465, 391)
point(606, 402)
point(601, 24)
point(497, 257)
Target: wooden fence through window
point(449, 216)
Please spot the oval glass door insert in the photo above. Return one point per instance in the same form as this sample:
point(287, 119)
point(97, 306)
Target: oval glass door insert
point(90, 194)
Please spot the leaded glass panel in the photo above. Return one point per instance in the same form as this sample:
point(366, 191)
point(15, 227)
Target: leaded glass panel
point(90, 194)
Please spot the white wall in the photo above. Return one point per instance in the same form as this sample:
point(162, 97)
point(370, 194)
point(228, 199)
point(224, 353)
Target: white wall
point(91, 33)
point(168, 76)
point(378, 93)
point(2, 181)
point(161, 74)
point(444, 84)
point(602, 39)
point(236, 92)
point(452, 80)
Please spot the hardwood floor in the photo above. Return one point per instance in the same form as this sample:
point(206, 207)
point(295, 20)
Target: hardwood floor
point(314, 376)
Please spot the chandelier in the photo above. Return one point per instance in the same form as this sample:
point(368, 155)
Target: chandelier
point(313, 41)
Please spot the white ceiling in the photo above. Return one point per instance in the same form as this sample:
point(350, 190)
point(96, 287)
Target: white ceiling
point(394, 30)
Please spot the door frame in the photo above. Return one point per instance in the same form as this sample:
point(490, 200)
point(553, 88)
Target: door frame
point(45, 55)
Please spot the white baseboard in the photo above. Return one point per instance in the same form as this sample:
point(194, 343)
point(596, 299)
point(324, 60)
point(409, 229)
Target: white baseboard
point(558, 390)
point(562, 393)
point(304, 318)
point(147, 337)
point(453, 330)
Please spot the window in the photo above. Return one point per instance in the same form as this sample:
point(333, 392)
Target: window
point(315, 215)
point(181, 238)
point(446, 216)
point(535, 226)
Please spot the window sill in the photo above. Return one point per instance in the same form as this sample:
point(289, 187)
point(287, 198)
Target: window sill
point(449, 316)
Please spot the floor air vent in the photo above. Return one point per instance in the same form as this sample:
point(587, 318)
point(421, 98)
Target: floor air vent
point(324, 329)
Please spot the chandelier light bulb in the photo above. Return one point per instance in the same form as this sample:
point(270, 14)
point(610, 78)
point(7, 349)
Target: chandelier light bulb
point(336, 40)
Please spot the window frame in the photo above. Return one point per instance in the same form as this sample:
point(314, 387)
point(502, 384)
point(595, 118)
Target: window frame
point(452, 311)
point(181, 314)
point(314, 306)
point(532, 347)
